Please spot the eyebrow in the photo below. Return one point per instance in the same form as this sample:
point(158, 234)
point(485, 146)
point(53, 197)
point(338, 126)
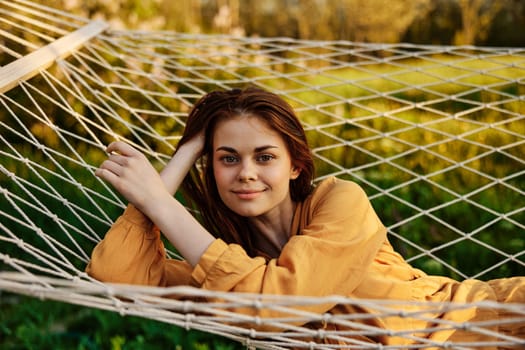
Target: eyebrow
point(233, 150)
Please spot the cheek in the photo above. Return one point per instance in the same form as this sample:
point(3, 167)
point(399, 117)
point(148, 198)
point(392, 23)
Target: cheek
point(283, 172)
point(221, 176)
point(279, 178)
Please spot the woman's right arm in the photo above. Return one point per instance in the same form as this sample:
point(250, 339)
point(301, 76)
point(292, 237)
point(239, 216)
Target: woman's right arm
point(131, 251)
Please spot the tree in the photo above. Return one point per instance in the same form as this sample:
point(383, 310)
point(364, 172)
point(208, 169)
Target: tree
point(358, 20)
point(476, 16)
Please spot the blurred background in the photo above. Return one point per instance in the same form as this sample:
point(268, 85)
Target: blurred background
point(29, 323)
point(440, 22)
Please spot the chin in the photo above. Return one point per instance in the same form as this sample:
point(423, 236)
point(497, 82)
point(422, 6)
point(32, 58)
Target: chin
point(247, 213)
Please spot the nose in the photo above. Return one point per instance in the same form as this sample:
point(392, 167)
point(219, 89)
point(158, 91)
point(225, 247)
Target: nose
point(247, 171)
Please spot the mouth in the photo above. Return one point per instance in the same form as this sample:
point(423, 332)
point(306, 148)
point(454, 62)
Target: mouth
point(248, 194)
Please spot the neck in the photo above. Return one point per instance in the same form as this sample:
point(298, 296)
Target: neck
point(273, 230)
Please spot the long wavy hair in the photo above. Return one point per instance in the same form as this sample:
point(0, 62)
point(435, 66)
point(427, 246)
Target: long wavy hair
point(199, 187)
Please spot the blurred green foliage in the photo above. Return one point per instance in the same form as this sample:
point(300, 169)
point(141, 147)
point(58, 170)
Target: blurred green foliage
point(441, 22)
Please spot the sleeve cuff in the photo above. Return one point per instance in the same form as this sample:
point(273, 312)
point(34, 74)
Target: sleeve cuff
point(137, 218)
point(207, 260)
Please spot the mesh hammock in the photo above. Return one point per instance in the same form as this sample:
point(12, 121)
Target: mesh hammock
point(434, 134)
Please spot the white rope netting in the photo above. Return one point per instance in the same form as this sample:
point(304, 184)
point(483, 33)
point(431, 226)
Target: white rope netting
point(435, 135)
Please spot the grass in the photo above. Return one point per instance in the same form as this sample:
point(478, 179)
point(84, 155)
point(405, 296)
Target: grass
point(28, 323)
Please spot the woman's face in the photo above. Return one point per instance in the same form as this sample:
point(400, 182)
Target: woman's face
point(252, 167)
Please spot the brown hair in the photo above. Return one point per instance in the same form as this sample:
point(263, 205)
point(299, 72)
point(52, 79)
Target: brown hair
point(201, 191)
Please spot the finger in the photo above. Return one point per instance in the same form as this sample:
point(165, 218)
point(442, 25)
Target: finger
point(107, 175)
point(121, 148)
point(112, 166)
point(118, 159)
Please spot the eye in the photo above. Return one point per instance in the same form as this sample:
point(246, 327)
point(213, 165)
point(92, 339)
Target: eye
point(265, 157)
point(228, 159)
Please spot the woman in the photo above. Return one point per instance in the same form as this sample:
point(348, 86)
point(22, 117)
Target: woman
point(265, 228)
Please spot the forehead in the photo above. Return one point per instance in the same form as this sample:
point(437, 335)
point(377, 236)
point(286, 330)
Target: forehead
point(245, 129)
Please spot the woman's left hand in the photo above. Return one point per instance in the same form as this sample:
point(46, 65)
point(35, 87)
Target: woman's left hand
point(132, 175)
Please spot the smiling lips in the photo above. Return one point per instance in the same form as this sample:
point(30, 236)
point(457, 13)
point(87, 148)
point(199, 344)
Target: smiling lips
point(248, 194)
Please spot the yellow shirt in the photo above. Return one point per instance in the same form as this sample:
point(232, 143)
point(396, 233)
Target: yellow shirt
point(338, 247)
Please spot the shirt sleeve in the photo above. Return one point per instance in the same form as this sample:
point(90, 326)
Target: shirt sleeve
point(133, 253)
point(330, 256)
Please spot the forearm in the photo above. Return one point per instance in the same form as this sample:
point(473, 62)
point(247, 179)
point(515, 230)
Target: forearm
point(180, 164)
point(135, 178)
point(180, 228)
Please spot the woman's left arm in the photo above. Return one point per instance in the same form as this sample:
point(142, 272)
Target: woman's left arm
point(331, 255)
point(182, 161)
